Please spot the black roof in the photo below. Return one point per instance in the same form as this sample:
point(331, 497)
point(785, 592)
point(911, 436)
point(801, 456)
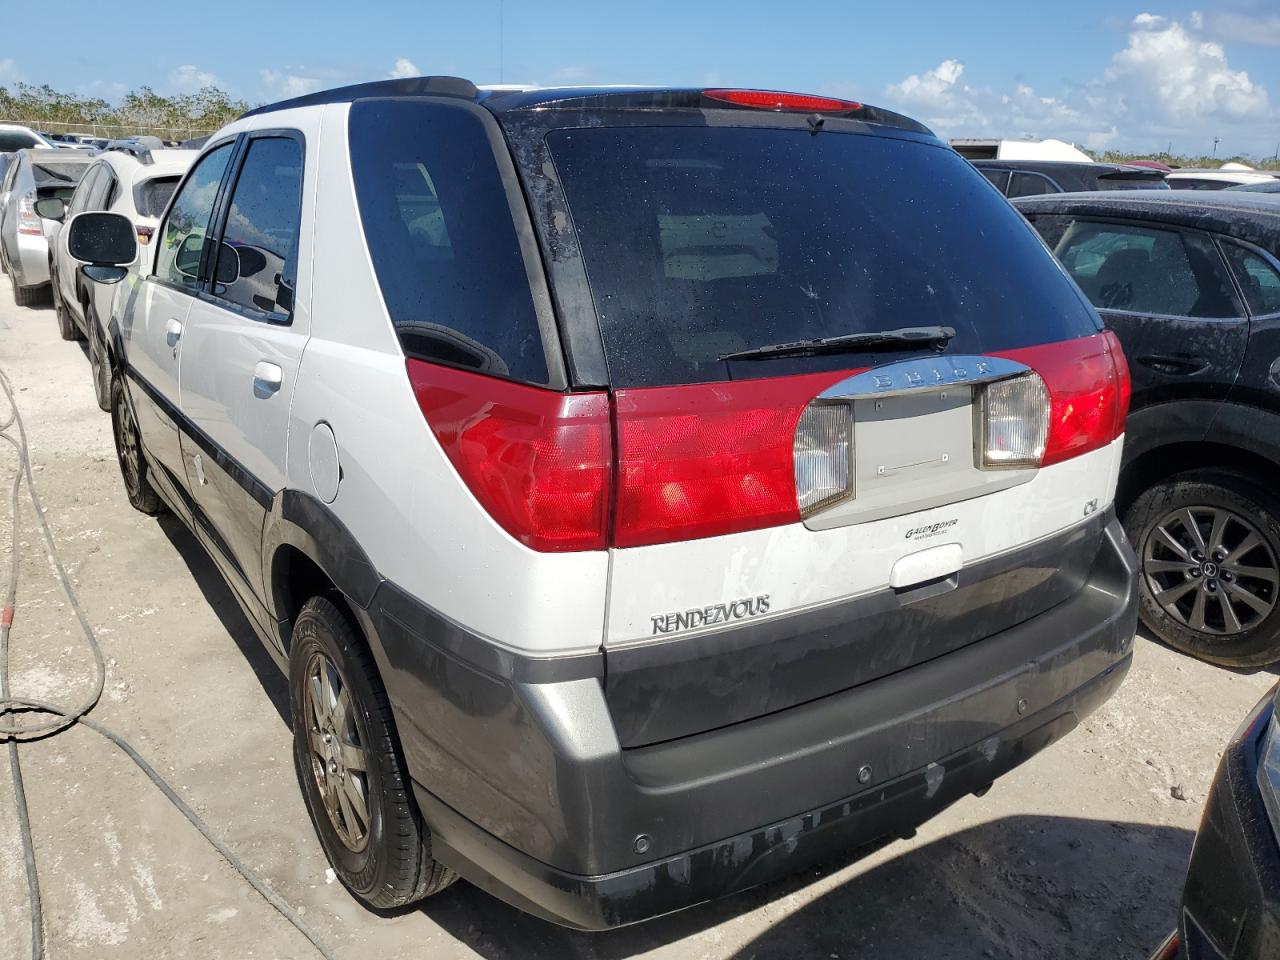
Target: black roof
point(1250, 216)
point(502, 100)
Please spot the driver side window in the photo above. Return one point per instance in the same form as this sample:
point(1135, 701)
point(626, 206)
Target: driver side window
point(183, 234)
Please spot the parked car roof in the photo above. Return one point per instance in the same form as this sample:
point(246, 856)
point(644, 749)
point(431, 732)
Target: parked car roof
point(1272, 186)
point(504, 99)
point(1249, 216)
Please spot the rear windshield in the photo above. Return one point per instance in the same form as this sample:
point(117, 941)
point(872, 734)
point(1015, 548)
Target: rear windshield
point(51, 172)
point(152, 196)
point(699, 242)
point(1132, 183)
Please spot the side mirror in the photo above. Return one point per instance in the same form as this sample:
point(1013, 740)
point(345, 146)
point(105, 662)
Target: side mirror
point(52, 208)
point(187, 260)
point(104, 242)
point(227, 271)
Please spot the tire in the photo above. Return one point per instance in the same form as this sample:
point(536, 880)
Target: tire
point(66, 326)
point(133, 462)
point(99, 363)
point(1208, 544)
point(383, 857)
point(25, 296)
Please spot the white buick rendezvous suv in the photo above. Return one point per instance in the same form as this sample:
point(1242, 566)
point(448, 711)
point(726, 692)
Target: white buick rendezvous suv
point(647, 491)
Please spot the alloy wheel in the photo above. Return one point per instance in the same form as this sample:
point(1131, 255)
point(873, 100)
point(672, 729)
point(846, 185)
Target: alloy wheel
point(127, 444)
point(1211, 570)
point(338, 759)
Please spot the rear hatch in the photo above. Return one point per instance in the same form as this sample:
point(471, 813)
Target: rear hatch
point(57, 178)
point(847, 386)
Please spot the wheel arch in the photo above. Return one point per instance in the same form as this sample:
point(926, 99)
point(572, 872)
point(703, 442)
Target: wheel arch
point(1177, 437)
point(307, 551)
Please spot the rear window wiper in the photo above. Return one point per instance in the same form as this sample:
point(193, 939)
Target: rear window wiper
point(904, 338)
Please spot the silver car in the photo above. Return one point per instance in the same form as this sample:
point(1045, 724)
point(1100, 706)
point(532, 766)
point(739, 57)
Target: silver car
point(24, 248)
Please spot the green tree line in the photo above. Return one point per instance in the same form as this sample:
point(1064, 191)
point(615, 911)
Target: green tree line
point(1175, 160)
point(138, 111)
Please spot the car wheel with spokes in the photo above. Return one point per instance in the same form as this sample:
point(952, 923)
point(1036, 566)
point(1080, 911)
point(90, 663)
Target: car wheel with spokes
point(133, 464)
point(99, 362)
point(1209, 548)
point(66, 326)
point(348, 762)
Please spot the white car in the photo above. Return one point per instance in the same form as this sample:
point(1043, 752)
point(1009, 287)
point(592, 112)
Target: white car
point(34, 175)
point(570, 452)
point(1228, 175)
point(132, 180)
point(14, 137)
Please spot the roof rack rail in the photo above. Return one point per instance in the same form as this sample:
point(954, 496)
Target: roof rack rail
point(139, 148)
point(405, 87)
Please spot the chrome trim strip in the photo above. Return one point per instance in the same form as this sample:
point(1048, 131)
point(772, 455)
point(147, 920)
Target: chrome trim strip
point(918, 376)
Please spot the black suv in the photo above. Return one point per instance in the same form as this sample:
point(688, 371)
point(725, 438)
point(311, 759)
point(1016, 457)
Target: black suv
point(1028, 178)
point(1191, 285)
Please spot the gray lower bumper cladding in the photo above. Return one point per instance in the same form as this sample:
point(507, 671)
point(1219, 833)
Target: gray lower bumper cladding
point(530, 797)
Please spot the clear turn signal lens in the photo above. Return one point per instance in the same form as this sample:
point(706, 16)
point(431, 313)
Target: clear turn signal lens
point(1014, 422)
point(823, 456)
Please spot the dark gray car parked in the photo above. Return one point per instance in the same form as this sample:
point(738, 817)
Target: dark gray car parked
point(1190, 283)
point(1027, 178)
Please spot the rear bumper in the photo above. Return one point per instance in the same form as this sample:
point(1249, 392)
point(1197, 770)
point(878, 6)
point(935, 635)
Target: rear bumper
point(32, 265)
point(739, 862)
point(519, 772)
point(1231, 902)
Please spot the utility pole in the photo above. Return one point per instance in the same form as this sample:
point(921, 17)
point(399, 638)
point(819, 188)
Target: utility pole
point(1216, 141)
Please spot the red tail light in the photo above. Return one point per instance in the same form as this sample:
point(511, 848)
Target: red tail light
point(539, 462)
point(773, 100)
point(708, 459)
point(692, 461)
point(28, 220)
point(1088, 383)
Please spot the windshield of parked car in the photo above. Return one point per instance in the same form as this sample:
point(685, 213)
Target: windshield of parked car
point(705, 241)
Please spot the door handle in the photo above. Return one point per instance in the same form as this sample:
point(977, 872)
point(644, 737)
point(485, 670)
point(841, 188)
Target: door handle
point(1173, 366)
point(173, 332)
point(267, 378)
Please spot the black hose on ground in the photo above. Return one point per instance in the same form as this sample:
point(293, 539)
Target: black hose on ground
point(15, 725)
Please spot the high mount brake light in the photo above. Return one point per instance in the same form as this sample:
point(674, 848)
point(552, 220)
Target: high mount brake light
point(782, 102)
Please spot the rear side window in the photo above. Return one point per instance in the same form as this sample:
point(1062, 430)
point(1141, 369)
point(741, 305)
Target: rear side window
point(1187, 183)
point(84, 192)
point(700, 242)
point(10, 141)
point(151, 196)
point(1023, 184)
point(183, 235)
point(257, 263)
point(999, 178)
point(444, 246)
point(1132, 183)
point(1257, 278)
point(1142, 269)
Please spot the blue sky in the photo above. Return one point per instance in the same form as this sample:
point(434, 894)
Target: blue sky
point(1101, 73)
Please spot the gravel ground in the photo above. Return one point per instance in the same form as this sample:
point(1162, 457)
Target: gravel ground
point(1079, 853)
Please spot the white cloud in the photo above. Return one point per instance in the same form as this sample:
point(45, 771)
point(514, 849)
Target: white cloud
point(1168, 83)
point(8, 70)
point(1260, 31)
point(189, 78)
point(404, 67)
point(289, 84)
point(1169, 72)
